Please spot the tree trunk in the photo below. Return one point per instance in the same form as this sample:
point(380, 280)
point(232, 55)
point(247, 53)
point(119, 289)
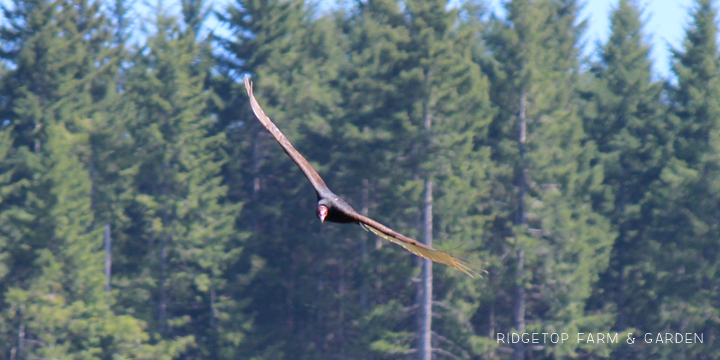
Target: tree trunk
point(425, 348)
point(37, 140)
point(162, 306)
point(491, 319)
point(519, 306)
point(165, 218)
point(620, 299)
point(522, 182)
point(256, 163)
point(363, 247)
point(426, 281)
point(108, 257)
point(341, 306)
point(519, 303)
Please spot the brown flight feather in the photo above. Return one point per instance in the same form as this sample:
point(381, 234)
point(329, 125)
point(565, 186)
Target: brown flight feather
point(365, 222)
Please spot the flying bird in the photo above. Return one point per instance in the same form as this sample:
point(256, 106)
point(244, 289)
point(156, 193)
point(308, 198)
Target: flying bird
point(333, 208)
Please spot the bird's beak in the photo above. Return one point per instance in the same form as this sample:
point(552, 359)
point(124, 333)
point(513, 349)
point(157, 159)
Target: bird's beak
point(322, 212)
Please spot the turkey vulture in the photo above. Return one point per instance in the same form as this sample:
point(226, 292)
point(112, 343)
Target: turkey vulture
point(334, 209)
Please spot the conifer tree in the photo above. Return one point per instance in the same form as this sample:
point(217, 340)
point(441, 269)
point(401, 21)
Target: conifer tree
point(183, 225)
point(54, 299)
point(121, 15)
point(55, 76)
point(88, 81)
point(292, 53)
point(454, 111)
point(398, 82)
point(64, 310)
point(50, 70)
point(683, 204)
point(372, 131)
point(544, 227)
point(625, 119)
point(8, 187)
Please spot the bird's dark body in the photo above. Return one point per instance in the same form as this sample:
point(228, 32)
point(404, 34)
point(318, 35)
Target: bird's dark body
point(337, 216)
point(333, 208)
point(338, 209)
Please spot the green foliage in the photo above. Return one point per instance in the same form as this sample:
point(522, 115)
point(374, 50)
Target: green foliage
point(539, 148)
point(625, 118)
point(602, 217)
point(185, 231)
point(681, 233)
point(54, 299)
point(64, 310)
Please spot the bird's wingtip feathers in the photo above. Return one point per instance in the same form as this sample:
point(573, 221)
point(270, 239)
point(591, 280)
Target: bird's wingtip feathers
point(438, 256)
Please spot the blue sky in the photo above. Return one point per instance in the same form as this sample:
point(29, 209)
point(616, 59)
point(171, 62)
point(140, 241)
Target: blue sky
point(665, 21)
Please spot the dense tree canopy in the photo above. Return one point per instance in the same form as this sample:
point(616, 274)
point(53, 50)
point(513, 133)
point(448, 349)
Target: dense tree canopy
point(146, 214)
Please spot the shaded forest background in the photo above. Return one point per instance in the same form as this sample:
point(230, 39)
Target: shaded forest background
point(587, 189)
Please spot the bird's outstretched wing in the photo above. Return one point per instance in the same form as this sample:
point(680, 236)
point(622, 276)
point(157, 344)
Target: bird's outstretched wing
point(368, 224)
point(307, 169)
point(413, 246)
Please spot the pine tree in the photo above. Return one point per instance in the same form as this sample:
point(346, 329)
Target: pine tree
point(89, 82)
point(625, 119)
point(298, 295)
point(122, 19)
point(8, 187)
point(455, 111)
point(410, 68)
point(44, 74)
point(682, 205)
point(54, 300)
point(183, 224)
point(371, 142)
point(64, 310)
point(544, 177)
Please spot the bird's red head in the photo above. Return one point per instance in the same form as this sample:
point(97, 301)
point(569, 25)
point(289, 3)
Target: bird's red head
point(322, 212)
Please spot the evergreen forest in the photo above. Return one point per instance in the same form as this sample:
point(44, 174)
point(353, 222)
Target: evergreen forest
point(146, 214)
